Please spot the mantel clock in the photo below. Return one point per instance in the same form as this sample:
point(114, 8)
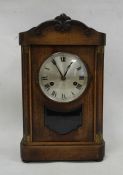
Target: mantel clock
point(62, 84)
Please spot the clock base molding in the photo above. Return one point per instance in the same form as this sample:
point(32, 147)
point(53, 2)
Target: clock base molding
point(77, 152)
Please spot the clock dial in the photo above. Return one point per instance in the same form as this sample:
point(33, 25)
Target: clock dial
point(63, 77)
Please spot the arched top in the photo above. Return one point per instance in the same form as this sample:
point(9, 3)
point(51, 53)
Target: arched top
point(62, 30)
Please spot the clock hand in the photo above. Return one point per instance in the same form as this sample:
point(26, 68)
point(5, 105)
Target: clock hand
point(67, 70)
point(54, 62)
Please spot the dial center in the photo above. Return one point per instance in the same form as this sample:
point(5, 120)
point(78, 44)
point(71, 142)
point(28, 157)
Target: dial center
point(63, 78)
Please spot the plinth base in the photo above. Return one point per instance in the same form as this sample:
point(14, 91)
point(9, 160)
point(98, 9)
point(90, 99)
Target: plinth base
point(71, 152)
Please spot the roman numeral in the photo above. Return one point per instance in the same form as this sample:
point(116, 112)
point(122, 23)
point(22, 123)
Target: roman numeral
point(78, 86)
point(47, 68)
point(63, 59)
point(81, 77)
point(63, 96)
point(72, 93)
point(47, 87)
point(44, 78)
point(53, 94)
point(78, 68)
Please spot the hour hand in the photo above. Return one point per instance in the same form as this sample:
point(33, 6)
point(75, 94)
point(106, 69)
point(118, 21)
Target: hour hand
point(68, 67)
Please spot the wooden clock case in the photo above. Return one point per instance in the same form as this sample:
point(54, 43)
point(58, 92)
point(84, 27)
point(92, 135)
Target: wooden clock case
point(40, 143)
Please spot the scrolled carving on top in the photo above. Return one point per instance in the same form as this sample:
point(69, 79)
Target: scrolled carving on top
point(62, 23)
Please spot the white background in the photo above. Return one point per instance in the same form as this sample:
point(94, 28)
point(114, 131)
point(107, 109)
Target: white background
point(20, 15)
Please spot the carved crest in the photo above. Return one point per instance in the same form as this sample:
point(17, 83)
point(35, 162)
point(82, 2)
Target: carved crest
point(61, 23)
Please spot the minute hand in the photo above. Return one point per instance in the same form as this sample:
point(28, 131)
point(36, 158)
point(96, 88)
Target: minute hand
point(67, 69)
point(54, 62)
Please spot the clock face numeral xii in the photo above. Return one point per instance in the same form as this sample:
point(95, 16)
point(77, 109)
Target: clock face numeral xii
point(63, 59)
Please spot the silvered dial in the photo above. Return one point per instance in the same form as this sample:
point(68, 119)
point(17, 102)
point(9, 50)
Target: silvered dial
point(63, 77)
